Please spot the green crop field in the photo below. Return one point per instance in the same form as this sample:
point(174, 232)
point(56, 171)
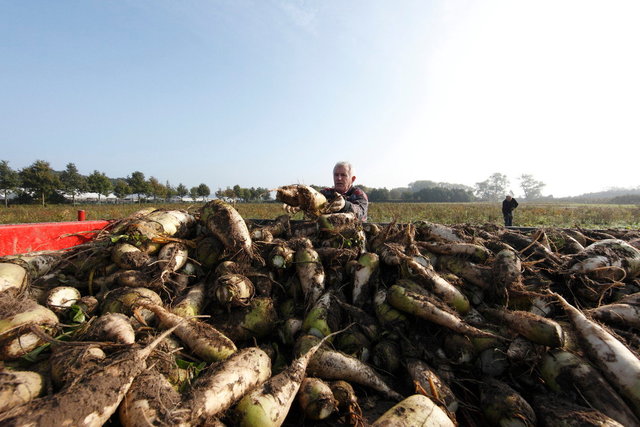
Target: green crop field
point(527, 214)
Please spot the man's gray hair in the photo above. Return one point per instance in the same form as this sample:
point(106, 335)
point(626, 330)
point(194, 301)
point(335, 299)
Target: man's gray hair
point(347, 166)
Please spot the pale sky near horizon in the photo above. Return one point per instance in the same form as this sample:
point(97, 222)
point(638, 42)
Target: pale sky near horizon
point(263, 93)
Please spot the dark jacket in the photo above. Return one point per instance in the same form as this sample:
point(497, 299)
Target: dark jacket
point(356, 201)
point(509, 205)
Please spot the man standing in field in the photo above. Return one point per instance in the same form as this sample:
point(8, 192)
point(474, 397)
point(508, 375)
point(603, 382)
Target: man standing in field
point(343, 196)
point(508, 205)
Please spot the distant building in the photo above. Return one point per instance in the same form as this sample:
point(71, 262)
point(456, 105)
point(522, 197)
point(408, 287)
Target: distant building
point(93, 197)
point(90, 197)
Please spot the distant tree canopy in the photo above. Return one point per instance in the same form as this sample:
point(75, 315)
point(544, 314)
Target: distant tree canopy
point(193, 192)
point(532, 188)
point(99, 183)
point(39, 180)
point(203, 191)
point(421, 185)
point(440, 195)
point(9, 180)
point(138, 184)
point(378, 195)
point(73, 183)
point(169, 191)
point(181, 191)
point(121, 189)
point(492, 189)
point(238, 193)
point(629, 199)
point(156, 189)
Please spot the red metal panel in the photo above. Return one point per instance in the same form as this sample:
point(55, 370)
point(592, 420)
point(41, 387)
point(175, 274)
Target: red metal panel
point(24, 238)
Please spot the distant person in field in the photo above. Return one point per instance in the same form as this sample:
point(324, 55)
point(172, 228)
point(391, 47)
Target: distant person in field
point(343, 196)
point(508, 205)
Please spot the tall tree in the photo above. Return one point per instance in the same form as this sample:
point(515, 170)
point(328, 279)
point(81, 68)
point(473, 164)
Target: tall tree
point(99, 183)
point(531, 187)
point(203, 191)
point(378, 195)
point(40, 179)
point(72, 182)
point(193, 192)
point(492, 189)
point(264, 194)
point(155, 188)
point(9, 180)
point(245, 194)
point(229, 193)
point(138, 184)
point(251, 194)
point(236, 191)
point(220, 193)
point(396, 193)
point(181, 191)
point(169, 191)
point(121, 189)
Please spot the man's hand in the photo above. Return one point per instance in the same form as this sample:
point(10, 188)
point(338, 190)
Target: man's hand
point(336, 205)
point(291, 210)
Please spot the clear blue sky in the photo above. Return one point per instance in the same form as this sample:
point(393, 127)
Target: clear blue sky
point(264, 93)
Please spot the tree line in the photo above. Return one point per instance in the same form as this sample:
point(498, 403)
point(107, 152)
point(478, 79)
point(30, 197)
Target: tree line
point(494, 188)
point(39, 182)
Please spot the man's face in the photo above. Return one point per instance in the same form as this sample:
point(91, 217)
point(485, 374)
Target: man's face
point(342, 179)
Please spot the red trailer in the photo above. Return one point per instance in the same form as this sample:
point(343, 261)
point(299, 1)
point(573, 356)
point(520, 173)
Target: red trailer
point(44, 236)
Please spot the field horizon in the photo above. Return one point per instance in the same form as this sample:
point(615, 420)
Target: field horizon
point(475, 213)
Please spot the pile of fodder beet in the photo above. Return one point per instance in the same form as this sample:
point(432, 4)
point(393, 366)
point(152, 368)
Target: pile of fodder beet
point(205, 318)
